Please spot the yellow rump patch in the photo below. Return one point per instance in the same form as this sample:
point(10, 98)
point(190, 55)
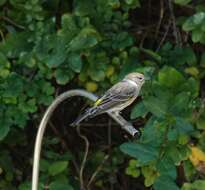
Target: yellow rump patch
point(98, 102)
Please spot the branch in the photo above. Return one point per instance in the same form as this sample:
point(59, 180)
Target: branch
point(63, 144)
point(173, 22)
point(12, 22)
point(84, 157)
point(161, 15)
point(97, 171)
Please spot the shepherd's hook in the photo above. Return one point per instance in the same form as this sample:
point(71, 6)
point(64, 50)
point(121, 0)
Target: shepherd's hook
point(124, 124)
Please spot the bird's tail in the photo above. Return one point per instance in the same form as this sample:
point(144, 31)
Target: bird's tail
point(87, 114)
point(79, 119)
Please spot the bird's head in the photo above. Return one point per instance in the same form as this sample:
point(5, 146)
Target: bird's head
point(138, 78)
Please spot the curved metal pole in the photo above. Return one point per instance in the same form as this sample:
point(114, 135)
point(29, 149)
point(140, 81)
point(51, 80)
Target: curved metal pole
point(38, 143)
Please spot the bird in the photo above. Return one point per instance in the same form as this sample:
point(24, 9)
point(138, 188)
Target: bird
point(118, 97)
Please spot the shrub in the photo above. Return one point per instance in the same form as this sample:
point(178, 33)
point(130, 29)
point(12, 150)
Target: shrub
point(47, 46)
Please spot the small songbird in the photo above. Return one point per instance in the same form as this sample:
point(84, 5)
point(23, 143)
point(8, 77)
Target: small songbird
point(116, 98)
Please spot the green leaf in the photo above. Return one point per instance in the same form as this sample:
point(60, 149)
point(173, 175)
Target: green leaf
point(183, 126)
point(97, 75)
point(139, 110)
point(4, 66)
point(69, 27)
point(152, 127)
point(130, 2)
point(57, 167)
point(57, 55)
point(59, 185)
point(87, 38)
point(182, 2)
point(132, 169)
point(4, 128)
point(197, 35)
point(152, 54)
point(196, 185)
point(130, 66)
point(155, 106)
point(191, 86)
point(201, 122)
point(193, 71)
point(27, 186)
point(179, 105)
point(143, 152)
point(166, 167)
point(2, 2)
point(202, 61)
point(165, 182)
point(122, 40)
point(61, 76)
point(170, 77)
point(190, 56)
point(75, 62)
point(15, 44)
point(150, 174)
point(193, 21)
point(44, 165)
point(178, 153)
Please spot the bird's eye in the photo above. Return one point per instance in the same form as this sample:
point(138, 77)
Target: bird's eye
point(140, 78)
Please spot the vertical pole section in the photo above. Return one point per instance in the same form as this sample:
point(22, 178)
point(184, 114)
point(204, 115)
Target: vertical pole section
point(37, 151)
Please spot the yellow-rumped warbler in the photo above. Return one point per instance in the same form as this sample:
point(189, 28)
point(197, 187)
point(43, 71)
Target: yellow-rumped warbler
point(116, 98)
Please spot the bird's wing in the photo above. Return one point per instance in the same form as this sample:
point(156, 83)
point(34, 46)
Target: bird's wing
point(120, 93)
point(117, 95)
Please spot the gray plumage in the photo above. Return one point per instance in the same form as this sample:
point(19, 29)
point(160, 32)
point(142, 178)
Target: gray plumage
point(116, 98)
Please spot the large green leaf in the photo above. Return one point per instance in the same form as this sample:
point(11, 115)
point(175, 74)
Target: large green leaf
point(182, 2)
point(136, 3)
point(165, 182)
point(166, 167)
point(193, 21)
point(87, 38)
point(183, 126)
point(2, 2)
point(15, 44)
point(75, 62)
point(179, 106)
point(155, 106)
point(63, 75)
point(139, 110)
point(57, 167)
point(196, 185)
point(143, 152)
point(191, 86)
point(4, 128)
point(177, 153)
point(4, 66)
point(170, 77)
point(156, 129)
point(60, 185)
point(57, 54)
point(201, 122)
point(130, 66)
point(197, 35)
point(122, 40)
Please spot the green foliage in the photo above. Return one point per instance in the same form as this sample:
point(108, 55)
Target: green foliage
point(196, 25)
point(182, 2)
point(57, 167)
point(132, 169)
point(48, 47)
point(198, 185)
